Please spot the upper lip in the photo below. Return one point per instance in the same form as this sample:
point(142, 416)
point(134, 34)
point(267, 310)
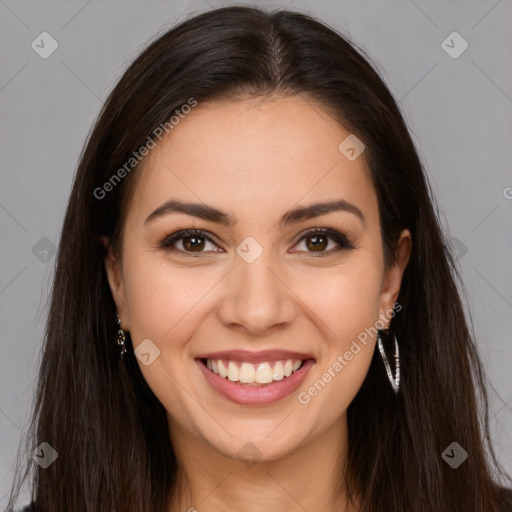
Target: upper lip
point(255, 357)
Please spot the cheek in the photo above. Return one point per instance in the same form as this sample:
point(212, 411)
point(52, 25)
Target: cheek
point(164, 304)
point(347, 301)
point(161, 300)
point(345, 298)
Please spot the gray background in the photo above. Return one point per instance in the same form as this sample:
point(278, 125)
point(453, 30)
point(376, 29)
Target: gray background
point(458, 110)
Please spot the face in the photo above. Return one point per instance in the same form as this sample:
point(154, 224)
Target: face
point(307, 286)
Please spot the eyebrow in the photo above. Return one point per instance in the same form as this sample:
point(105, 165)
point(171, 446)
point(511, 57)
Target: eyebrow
point(209, 213)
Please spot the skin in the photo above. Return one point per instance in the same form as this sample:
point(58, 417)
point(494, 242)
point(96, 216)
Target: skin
point(255, 159)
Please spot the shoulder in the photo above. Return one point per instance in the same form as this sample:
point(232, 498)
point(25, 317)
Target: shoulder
point(506, 499)
point(28, 508)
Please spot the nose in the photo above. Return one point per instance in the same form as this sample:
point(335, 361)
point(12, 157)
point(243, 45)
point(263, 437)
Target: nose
point(255, 297)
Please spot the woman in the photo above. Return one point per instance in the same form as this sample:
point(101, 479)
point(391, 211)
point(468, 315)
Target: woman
point(254, 304)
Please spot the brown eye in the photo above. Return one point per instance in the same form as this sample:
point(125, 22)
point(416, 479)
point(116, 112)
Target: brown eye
point(317, 241)
point(192, 241)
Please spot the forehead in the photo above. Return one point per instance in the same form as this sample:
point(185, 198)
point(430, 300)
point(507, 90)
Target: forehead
point(252, 157)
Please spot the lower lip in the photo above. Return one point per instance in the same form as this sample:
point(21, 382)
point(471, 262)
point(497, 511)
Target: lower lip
point(256, 395)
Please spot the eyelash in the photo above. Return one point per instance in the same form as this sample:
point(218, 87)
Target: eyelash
point(342, 240)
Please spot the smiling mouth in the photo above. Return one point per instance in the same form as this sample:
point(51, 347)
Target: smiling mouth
point(253, 375)
point(253, 393)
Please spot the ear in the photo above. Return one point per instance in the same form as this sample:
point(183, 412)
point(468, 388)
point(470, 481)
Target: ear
point(393, 276)
point(116, 282)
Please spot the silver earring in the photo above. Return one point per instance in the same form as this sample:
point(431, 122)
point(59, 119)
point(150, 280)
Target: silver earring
point(121, 338)
point(393, 379)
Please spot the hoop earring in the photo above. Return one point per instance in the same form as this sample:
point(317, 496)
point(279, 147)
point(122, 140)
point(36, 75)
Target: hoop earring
point(121, 338)
point(394, 380)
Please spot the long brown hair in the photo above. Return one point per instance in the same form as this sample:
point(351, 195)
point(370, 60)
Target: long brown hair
point(98, 413)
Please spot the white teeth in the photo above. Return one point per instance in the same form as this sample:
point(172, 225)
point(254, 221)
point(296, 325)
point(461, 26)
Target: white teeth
point(248, 373)
point(279, 370)
point(263, 373)
point(233, 372)
point(288, 367)
point(223, 371)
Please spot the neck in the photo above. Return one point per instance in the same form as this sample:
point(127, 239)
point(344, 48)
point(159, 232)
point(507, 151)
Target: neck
point(309, 477)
